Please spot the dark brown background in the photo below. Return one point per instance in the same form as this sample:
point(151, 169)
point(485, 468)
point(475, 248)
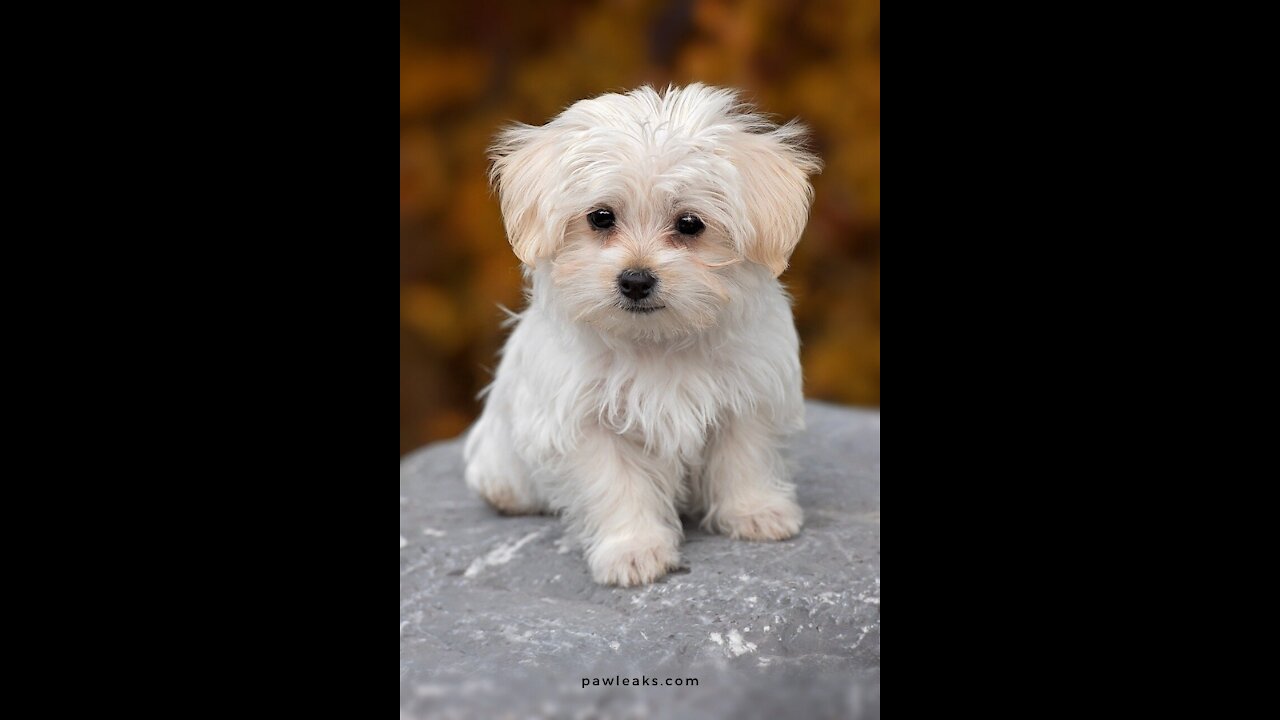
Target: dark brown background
point(466, 68)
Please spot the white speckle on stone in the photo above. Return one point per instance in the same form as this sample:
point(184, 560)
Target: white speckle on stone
point(767, 628)
point(764, 662)
point(403, 542)
point(744, 577)
point(615, 645)
point(717, 638)
point(501, 555)
point(432, 532)
point(737, 646)
point(868, 599)
point(563, 545)
point(753, 600)
point(511, 634)
point(865, 630)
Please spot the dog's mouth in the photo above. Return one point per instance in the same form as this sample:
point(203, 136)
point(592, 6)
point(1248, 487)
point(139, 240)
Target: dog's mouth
point(642, 308)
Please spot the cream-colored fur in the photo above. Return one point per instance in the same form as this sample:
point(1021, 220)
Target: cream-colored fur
point(621, 414)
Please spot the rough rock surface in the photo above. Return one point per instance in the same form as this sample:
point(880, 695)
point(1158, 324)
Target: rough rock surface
point(499, 616)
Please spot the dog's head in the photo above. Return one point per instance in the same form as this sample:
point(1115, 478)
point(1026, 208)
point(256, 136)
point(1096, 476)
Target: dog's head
point(654, 210)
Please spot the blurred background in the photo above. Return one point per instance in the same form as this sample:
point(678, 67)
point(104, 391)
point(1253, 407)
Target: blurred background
point(467, 68)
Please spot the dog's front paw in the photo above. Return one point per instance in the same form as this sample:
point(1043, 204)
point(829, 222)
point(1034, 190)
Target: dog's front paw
point(633, 561)
point(777, 520)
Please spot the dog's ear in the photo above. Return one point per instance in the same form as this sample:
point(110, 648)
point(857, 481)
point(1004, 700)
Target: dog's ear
point(521, 156)
point(775, 167)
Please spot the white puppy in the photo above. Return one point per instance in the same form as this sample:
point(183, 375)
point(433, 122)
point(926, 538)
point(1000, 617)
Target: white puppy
point(656, 368)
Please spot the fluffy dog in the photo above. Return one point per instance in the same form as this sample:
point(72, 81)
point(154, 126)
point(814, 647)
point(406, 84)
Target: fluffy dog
point(656, 368)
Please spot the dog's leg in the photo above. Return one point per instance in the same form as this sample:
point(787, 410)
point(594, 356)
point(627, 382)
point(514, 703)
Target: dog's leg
point(621, 500)
point(495, 472)
point(745, 486)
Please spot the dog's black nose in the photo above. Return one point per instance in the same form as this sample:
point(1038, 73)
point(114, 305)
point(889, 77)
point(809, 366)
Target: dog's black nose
point(636, 284)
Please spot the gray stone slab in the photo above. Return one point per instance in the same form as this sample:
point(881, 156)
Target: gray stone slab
point(499, 616)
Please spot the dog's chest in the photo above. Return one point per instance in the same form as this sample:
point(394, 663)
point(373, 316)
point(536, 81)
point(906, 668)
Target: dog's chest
point(668, 407)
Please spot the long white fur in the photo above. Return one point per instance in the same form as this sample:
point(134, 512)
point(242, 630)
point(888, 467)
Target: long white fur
point(621, 420)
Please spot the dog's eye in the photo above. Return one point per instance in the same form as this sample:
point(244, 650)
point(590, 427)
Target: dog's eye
point(600, 219)
point(689, 225)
